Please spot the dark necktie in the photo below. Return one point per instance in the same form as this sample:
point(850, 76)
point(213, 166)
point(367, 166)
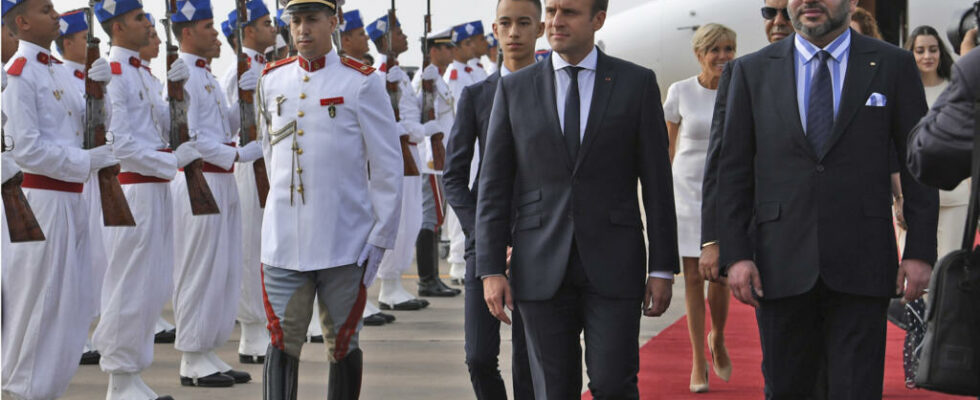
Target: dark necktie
point(573, 113)
point(820, 111)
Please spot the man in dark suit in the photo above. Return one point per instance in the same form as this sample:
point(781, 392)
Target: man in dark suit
point(518, 25)
point(568, 140)
point(805, 225)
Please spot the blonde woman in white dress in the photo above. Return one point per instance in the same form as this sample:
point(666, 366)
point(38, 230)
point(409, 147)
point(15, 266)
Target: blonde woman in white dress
point(688, 111)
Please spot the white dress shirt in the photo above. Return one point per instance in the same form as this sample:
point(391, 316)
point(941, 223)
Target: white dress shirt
point(806, 62)
point(586, 84)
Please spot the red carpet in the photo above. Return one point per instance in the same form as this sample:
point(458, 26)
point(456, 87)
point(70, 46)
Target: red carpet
point(665, 363)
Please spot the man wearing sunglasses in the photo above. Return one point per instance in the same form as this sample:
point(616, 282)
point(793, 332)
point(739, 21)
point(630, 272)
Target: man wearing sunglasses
point(778, 25)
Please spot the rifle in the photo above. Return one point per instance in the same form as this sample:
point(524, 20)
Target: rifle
point(394, 94)
point(429, 96)
point(115, 209)
point(202, 201)
point(246, 106)
point(21, 222)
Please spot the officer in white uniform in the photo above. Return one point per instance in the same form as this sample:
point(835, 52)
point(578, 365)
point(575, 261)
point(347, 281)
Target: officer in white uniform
point(327, 222)
point(480, 47)
point(47, 286)
point(259, 34)
point(208, 258)
point(493, 46)
point(138, 280)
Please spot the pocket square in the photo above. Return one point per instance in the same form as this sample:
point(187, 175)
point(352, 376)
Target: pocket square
point(876, 100)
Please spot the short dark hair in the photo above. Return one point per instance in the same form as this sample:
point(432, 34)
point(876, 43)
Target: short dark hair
point(10, 20)
point(537, 4)
point(599, 5)
point(945, 68)
point(178, 28)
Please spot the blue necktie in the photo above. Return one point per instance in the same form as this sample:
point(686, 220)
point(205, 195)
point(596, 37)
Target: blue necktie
point(572, 113)
point(820, 111)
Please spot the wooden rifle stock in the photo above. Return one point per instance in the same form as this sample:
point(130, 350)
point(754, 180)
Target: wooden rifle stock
point(21, 222)
point(246, 104)
point(410, 168)
point(115, 209)
point(394, 93)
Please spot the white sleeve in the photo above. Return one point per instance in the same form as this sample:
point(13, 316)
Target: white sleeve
point(212, 151)
point(383, 151)
point(130, 153)
point(411, 115)
point(672, 104)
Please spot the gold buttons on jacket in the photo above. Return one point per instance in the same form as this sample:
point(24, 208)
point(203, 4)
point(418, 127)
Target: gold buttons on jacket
point(302, 95)
point(301, 114)
point(299, 151)
point(300, 132)
point(306, 78)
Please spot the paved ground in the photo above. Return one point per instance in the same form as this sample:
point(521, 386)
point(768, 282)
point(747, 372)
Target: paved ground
point(420, 356)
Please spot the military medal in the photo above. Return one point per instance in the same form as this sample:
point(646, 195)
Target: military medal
point(332, 105)
point(333, 111)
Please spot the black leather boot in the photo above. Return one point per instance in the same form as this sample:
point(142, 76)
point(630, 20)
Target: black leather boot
point(281, 375)
point(345, 377)
point(428, 264)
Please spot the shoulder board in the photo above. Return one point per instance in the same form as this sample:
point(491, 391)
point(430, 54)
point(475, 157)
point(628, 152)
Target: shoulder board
point(273, 65)
point(453, 75)
point(356, 65)
point(116, 68)
point(17, 67)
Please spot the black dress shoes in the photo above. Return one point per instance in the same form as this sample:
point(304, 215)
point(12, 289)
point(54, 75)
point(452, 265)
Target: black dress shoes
point(216, 379)
point(388, 317)
point(238, 376)
point(90, 358)
point(315, 339)
point(375, 320)
point(435, 288)
point(407, 305)
point(167, 336)
point(165, 398)
point(247, 359)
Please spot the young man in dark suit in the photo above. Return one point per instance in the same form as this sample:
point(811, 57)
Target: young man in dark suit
point(805, 225)
point(568, 139)
point(518, 25)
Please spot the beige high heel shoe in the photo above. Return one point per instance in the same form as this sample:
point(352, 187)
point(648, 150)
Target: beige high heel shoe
point(723, 372)
point(700, 387)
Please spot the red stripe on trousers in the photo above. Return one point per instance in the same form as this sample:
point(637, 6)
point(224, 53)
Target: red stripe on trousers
point(275, 329)
point(349, 328)
point(438, 200)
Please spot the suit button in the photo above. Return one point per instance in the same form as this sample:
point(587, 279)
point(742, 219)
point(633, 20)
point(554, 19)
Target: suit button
point(300, 132)
point(820, 168)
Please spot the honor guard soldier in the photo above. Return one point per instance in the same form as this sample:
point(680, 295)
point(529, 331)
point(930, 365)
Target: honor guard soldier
point(480, 47)
point(327, 220)
point(139, 277)
point(208, 258)
point(7, 50)
point(440, 48)
point(259, 33)
point(72, 45)
point(493, 47)
point(47, 286)
point(353, 37)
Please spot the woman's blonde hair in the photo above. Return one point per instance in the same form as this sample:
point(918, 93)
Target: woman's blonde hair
point(710, 34)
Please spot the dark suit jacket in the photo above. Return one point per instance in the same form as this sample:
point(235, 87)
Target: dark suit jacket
point(709, 185)
point(941, 146)
point(472, 119)
point(821, 215)
point(592, 199)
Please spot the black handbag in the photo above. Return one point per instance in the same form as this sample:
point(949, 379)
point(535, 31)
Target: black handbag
point(950, 359)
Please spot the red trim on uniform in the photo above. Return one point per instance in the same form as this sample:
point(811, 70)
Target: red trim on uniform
point(454, 75)
point(116, 68)
point(349, 328)
point(147, 69)
point(479, 65)
point(437, 195)
point(43, 58)
point(56, 60)
point(313, 65)
point(208, 167)
point(135, 62)
point(35, 181)
point(356, 65)
point(129, 178)
point(79, 74)
point(17, 67)
point(274, 327)
point(277, 64)
point(332, 101)
point(260, 59)
point(468, 69)
point(384, 67)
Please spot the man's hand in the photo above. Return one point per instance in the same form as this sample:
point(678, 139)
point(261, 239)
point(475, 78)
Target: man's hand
point(496, 292)
point(100, 71)
point(178, 71)
point(913, 276)
point(899, 207)
point(657, 298)
point(370, 259)
point(708, 263)
point(743, 279)
point(969, 41)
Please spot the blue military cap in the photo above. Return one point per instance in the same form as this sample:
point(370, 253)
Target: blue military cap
point(153, 22)
point(255, 8)
point(541, 55)
point(352, 20)
point(192, 10)
point(8, 4)
point(491, 41)
point(71, 22)
point(379, 27)
point(466, 31)
point(109, 9)
point(279, 20)
point(227, 28)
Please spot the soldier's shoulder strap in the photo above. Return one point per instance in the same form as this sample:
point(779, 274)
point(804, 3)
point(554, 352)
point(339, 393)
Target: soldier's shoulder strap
point(357, 65)
point(273, 65)
point(17, 67)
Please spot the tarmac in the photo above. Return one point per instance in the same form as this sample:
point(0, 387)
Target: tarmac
point(419, 356)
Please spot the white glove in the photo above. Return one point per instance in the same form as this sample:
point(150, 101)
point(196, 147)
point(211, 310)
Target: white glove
point(178, 71)
point(432, 127)
point(100, 71)
point(251, 152)
point(249, 80)
point(186, 153)
point(370, 259)
point(101, 157)
point(431, 73)
point(10, 168)
point(396, 74)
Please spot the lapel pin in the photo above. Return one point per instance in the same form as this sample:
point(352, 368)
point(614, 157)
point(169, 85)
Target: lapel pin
point(608, 79)
point(333, 111)
point(873, 63)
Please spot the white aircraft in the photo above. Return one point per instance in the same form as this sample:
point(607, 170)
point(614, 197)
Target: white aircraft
point(657, 34)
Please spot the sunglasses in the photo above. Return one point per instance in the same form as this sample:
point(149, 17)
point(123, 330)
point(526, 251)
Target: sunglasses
point(770, 12)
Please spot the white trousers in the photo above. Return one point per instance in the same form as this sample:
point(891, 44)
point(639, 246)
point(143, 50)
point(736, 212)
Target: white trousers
point(138, 281)
point(251, 310)
point(398, 259)
point(47, 297)
point(99, 252)
point(207, 265)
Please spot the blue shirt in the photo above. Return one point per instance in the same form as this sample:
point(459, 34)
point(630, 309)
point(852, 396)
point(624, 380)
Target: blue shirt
point(806, 62)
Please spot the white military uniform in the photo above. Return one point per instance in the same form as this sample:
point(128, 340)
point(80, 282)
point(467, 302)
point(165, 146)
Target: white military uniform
point(251, 311)
point(138, 280)
point(208, 256)
point(459, 76)
point(479, 72)
point(47, 286)
point(445, 108)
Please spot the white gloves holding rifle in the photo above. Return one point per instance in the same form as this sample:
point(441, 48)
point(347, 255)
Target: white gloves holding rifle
point(101, 157)
point(178, 71)
point(249, 80)
point(100, 71)
point(396, 74)
point(250, 152)
point(186, 153)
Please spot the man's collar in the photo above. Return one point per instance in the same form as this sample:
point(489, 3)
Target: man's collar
point(836, 48)
point(31, 50)
point(589, 62)
point(74, 66)
point(121, 53)
point(319, 63)
point(504, 71)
